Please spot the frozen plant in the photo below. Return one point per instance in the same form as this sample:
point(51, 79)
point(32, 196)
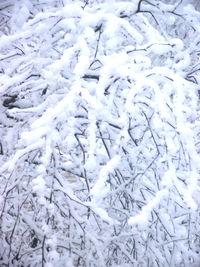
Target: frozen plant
point(99, 126)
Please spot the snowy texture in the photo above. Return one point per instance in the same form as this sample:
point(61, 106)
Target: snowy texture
point(100, 133)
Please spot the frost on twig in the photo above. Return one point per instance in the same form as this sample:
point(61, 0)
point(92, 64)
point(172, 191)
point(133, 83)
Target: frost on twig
point(99, 124)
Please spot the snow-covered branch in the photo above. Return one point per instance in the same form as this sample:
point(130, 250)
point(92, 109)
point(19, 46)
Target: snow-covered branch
point(99, 124)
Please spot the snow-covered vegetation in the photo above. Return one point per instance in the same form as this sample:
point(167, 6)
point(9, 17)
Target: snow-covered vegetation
point(99, 133)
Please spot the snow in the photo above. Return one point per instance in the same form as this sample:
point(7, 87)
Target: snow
point(99, 125)
point(10, 165)
point(103, 214)
point(160, 49)
point(177, 44)
point(142, 218)
point(99, 190)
